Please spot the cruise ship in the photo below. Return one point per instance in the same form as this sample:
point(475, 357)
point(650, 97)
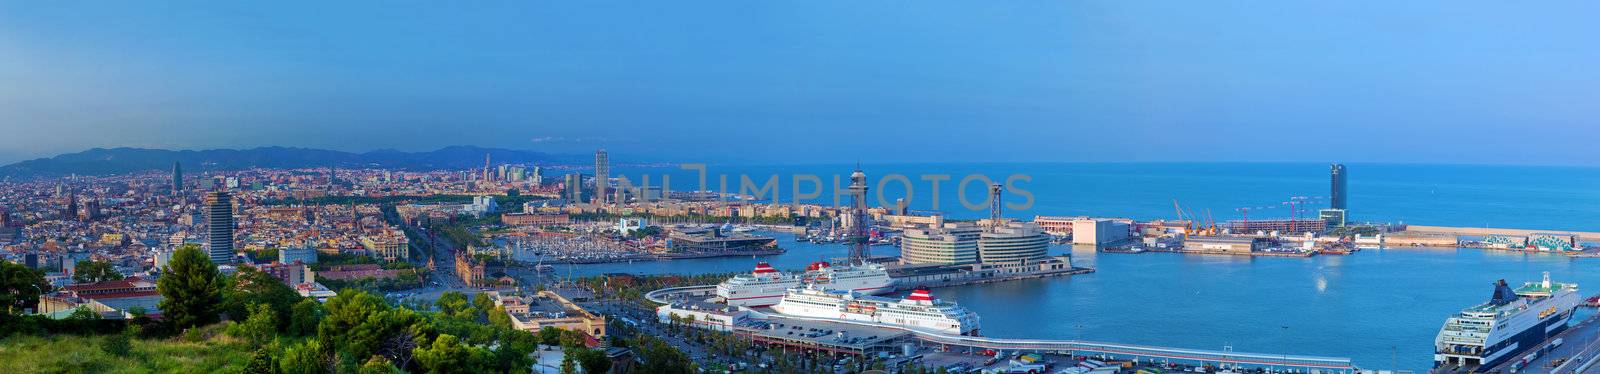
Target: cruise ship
point(1512, 321)
point(917, 311)
point(765, 285)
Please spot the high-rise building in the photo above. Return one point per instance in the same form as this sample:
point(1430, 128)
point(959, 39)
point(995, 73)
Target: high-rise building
point(177, 178)
point(486, 167)
point(1340, 194)
point(517, 174)
point(219, 226)
point(602, 176)
point(572, 188)
point(538, 176)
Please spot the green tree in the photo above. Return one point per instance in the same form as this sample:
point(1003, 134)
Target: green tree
point(660, 357)
point(250, 286)
point(307, 358)
point(91, 271)
point(20, 287)
point(550, 336)
point(191, 289)
point(499, 318)
point(259, 328)
point(304, 317)
point(260, 363)
point(377, 365)
point(568, 364)
point(593, 360)
point(482, 303)
point(449, 355)
point(453, 303)
point(359, 324)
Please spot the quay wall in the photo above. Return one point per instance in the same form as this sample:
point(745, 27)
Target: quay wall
point(1484, 231)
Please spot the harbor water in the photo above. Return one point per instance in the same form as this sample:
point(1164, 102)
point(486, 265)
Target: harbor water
point(1381, 308)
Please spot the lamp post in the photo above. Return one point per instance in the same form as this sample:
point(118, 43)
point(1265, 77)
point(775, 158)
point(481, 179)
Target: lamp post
point(1285, 346)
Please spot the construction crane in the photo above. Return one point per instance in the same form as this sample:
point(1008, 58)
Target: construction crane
point(1188, 226)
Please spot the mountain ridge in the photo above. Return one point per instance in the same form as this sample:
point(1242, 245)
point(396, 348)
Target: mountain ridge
point(120, 160)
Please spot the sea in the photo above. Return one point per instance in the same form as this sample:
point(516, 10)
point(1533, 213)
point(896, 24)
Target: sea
point(1382, 307)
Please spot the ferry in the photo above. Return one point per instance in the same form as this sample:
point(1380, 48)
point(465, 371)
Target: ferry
point(1512, 321)
point(919, 310)
point(765, 285)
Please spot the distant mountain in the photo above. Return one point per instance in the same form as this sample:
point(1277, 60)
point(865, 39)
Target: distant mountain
point(103, 161)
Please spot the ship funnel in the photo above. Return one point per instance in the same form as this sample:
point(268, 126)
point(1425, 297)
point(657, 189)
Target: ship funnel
point(763, 268)
point(920, 295)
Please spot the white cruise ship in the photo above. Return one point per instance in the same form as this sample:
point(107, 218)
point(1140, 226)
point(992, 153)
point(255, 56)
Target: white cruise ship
point(917, 311)
point(765, 286)
point(1512, 321)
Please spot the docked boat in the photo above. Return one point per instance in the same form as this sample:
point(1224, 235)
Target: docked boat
point(870, 279)
point(1512, 321)
point(765, 285)
point(919, 310)
point(761, 287)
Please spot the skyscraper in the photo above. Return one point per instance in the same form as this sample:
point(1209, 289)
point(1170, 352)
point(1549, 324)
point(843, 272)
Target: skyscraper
point(177, 178)
point(486, 167)
point(1339, 195)
point(572, 188)
point(602, 176)
point(219, 226)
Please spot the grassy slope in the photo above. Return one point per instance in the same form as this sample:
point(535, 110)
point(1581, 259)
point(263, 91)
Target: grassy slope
point(83, 354)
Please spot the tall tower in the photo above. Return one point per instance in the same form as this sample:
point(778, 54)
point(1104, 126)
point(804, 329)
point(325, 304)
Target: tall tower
point(1338, 179)
point(858, 218)
point(602, 176)
point(486, 166)
point(177, 178)
point(219, 226)
point(994, 206)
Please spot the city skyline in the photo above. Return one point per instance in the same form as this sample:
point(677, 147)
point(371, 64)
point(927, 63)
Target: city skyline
point(1059, 82)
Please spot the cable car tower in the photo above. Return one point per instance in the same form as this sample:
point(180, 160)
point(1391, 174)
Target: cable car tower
point(859, 224)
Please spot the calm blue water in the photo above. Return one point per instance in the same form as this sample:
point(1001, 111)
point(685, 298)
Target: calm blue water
point(1453, 195)
point(1376, 306)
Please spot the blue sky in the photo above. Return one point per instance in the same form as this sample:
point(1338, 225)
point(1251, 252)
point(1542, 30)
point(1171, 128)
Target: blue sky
point(816, 81)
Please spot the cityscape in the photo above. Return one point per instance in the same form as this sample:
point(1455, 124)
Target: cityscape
point(376, 220)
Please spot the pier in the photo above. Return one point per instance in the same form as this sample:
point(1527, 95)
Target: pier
point(1486, 231)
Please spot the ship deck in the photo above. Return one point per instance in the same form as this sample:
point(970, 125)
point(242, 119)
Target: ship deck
point(1579, 340)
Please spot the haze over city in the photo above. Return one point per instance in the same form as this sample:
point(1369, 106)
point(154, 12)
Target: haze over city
point(830, 81)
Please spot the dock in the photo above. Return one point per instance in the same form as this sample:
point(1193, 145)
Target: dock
point(1486, 231)
point(948, 342)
